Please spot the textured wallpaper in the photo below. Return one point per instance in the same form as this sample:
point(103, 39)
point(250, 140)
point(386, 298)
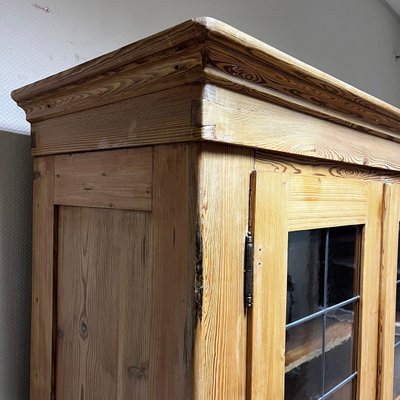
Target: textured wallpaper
point(15, 265)
point(37, 39)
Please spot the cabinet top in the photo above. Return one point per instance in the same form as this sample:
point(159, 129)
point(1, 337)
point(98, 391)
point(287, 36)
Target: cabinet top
point(210, 55)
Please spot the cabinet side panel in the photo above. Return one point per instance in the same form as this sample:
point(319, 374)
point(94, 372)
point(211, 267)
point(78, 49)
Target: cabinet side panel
point(125, 293)
point(42, 279)
point(220, 350)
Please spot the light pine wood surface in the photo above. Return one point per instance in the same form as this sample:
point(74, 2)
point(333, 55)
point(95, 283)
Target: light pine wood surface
point(172, 311)
point(220, 337)
point(44, 242)
point(268, 315)
point(125, 321)
point(388, 278)
point(277, 162)
point(103, 277)
point(162, 117)
point(369, 292)
point(120, 179)
point(314, 202)
point(276, 195)
point(239, 119)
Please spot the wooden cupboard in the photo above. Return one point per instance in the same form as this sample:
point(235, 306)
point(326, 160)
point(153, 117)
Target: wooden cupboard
point(213, 219)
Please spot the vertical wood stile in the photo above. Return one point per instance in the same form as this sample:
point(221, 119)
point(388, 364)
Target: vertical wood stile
point(172, 310)
point(42, 280)
point(369, 305)
point(268, 315)
point(220, 346)
point(390, 233)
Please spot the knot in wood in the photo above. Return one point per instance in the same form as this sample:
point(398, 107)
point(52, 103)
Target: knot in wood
point(137, 371)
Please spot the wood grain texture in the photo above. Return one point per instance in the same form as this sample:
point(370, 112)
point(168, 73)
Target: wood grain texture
point(163, 117)
point(103, 277)
point(172, 310)
point(182, 67)
point(277, 197)
point(220, 341)
point(42, 374)
point(315, 202)
point(247, 68)
point(241, 120)
point(228, 57)
point(369, 303)
point(390, 235)
point(307, 345)
point(313, 81)
point(120, 179)
point(269, 94)
point(275, 162)
point(135, 295)
point(125, 292)
point(268, 315)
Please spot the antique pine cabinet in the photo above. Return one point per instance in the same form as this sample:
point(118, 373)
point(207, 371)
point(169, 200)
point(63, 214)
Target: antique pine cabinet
point(213, 219)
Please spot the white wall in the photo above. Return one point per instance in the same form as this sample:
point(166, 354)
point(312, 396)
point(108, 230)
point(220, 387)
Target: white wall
point(354, 40)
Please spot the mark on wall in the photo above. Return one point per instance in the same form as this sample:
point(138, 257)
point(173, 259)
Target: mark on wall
point(43, 8)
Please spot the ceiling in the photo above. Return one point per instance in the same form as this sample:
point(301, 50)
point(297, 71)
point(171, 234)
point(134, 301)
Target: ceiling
point(395, 4)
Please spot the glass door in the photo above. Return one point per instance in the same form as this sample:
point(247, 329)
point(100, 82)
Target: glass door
point(322, 308)
point(313, 327)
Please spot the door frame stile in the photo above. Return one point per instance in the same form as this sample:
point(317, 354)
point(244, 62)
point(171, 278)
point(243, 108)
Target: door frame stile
point(390, 237)
point(267, 334)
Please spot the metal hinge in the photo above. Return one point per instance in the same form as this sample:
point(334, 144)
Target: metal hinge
point(248, 270)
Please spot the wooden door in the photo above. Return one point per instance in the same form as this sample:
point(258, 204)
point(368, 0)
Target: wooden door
point(313, 326)
point(389, 323)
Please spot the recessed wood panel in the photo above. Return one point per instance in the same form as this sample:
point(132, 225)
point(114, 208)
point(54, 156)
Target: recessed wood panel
point(118, 179)
point(104, 269)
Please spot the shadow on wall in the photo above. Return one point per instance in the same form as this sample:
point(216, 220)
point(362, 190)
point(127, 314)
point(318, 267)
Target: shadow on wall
point(15, 264)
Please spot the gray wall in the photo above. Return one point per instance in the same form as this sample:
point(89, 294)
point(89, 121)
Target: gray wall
point(15, 260)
